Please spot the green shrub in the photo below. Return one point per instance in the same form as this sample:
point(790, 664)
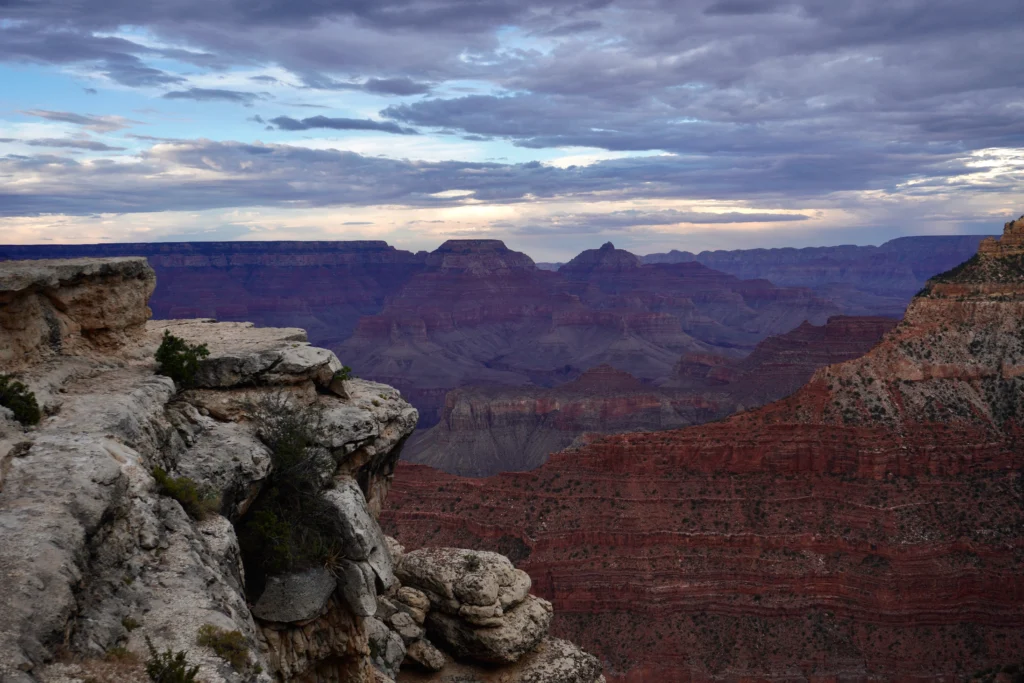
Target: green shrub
point(169, 667)
point(179, 360)
point(16, 397)
point(230, 646)
point(198, 504)
point(345, 373)
point(290, 525)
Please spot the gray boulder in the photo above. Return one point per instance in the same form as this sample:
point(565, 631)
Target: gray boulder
point(295, 597)
point(521, 629)
point(386, 647)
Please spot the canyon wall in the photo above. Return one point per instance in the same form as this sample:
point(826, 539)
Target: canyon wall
point(140, 516)
point(868, 527)
point(474, 312)
point(487, 430)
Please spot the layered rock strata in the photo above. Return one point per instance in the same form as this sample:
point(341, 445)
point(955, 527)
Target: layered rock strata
point(96, 563)
point(481, 313)
point(868, 527)
point(487, 430)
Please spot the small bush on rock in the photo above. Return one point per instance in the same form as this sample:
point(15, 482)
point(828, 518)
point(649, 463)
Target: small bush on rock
point(344, 374)
point(16, 397)
point(230, 646)
point(169, 667)
point(290, 525)
point(197, 503)
point(179, 360)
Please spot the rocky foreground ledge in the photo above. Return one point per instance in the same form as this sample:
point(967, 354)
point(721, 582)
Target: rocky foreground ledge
point(95, 563)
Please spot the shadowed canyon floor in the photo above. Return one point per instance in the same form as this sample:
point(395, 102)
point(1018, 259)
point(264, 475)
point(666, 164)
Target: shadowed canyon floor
point(870, 526)
point(487, 430)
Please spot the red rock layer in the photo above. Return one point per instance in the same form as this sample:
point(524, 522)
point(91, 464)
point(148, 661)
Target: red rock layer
point(487, 430)
point(869, 527)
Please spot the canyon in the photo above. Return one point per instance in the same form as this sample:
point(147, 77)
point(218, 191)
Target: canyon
point(192, 498)
point(868, 527)
point(487, 430)
point(474, 313)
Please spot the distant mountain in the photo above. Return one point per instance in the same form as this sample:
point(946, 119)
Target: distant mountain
point(863, 280)
point(495, 318)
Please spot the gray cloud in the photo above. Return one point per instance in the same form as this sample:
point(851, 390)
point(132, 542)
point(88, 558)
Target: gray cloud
point(201, 174)
point(71, 143)
point(288, 123)
point(98, 124)
point(788, 99)
point(214, 94)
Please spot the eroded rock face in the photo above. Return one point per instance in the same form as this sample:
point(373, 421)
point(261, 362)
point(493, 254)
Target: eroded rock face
point(867, 527)
point(94, 556)
point(70, 306)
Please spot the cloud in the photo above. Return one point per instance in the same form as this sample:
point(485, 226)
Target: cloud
point(70, 143)
point(598, 222)
point(794, 100)
point(98, 124)
point(203, 174)
point(288, 123)
point(214, 94)
point(395, 86)
point(115, 58)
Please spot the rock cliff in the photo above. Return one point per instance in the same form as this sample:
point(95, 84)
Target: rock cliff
point(487, 430)
point(868, 527)
point(132, 515)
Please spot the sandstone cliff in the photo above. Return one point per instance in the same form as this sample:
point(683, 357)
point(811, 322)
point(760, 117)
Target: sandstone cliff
point(868, 527)
point(124, 512)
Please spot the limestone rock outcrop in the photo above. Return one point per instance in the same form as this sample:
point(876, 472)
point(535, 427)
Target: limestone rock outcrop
point(868, 527)
point(118, 512)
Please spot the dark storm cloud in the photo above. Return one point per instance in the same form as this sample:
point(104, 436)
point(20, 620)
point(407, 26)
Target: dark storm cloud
point(288, 123)
point(214, 94)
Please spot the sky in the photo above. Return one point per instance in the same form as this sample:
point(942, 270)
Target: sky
point(553, 125)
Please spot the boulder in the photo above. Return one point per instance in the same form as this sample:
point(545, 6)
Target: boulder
point(520, 630)
point(386, 647)
point(423, 654)
point(361, 537)
point(295, 597)
point(452, 577)
point(358, 587)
